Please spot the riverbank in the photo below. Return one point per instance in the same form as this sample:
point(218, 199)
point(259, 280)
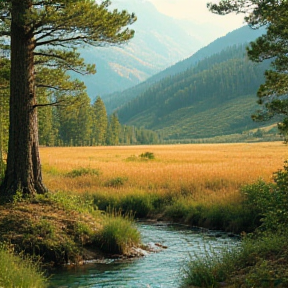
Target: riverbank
point(65, 228)
point(261, 259)
point(61, 229)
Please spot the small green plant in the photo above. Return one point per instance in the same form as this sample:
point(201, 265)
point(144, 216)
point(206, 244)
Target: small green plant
point(116, 182)
point(82, 172)
point(18, 272)
point(118, 234)
point(18, 196)
point(147, 155)
point(211, 269)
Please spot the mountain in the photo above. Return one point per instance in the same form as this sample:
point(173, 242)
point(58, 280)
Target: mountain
point(215, 96)
point(241, 36)
point(159, 42)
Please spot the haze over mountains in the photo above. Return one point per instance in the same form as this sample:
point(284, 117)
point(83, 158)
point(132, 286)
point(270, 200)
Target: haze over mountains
point(159, 42)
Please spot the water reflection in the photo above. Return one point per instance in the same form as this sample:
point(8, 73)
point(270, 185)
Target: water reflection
point(162, 269)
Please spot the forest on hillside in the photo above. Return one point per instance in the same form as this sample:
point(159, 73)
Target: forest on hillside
point(215, 81)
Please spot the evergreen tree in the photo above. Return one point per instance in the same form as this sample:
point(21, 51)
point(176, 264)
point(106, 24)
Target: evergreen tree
point(75, 122)
point(100, 122)
point(37, 28)
point(113, 130)
point(274, 46)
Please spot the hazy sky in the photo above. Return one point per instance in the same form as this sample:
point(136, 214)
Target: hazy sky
point(196, 11)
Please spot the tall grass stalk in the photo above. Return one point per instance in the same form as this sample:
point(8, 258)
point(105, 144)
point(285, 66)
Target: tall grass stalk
point(16, 272)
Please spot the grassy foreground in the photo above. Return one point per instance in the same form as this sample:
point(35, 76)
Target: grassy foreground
point(195, 184)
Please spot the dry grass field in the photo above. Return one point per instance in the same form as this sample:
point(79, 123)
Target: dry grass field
point(202, 171)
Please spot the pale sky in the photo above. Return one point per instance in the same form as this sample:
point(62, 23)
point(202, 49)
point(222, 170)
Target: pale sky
point(196, 11)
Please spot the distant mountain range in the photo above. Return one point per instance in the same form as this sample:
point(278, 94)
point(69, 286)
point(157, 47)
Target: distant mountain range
point(211, 93)
point(159, 42)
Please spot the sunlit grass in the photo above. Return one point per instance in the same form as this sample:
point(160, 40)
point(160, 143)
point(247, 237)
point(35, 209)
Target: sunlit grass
point(203, 172)
point(18, 273)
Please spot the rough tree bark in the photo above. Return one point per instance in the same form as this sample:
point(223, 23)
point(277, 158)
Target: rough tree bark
point(23, 163)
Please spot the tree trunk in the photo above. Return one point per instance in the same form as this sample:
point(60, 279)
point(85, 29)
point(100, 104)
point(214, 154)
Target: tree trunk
point(23, 163)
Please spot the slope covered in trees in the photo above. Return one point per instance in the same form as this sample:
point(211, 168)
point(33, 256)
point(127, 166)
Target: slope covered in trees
point(214, 97)
point(241, 36)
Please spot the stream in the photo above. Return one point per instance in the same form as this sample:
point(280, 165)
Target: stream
point(162, 269)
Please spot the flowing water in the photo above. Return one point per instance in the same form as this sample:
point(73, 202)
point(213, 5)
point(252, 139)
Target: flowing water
point(162, 269)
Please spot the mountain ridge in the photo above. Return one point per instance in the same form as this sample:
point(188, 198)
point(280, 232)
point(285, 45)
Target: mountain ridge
point(242, 35)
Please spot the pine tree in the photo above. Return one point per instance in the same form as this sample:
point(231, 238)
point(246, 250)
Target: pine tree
point(100, 122)
point(272, 46)
point(37, 28)
point(113, 130)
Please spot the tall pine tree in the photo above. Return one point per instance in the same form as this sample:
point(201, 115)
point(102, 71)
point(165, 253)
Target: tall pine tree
point(37, 28)
point(100, 122)
point(273, 46)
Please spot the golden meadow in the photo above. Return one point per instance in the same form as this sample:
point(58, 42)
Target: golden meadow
point(203, 172)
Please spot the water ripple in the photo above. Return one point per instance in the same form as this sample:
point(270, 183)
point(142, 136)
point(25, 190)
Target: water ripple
point(156, 270)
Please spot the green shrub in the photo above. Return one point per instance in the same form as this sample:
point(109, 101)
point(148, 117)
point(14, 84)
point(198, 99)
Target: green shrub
point(104, 201)
point(258, 261)
point(116, 182)
point(178, 209)
point(211, 269)
point(147, 155)
point(83, 171)
point(269, 202)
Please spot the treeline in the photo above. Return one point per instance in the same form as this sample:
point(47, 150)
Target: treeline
point(76, 122)
point(80, 123)
point(221, 77)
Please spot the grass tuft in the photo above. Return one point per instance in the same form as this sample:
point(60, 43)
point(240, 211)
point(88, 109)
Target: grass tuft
point(118, 234)
point(19, 272)
point(82, 172)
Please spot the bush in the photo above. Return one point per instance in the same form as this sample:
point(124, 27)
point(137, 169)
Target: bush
point(253, 263)
point(116, 182)
point(210, 270)
point(178, 210)
point(140, 205)
point(83, 171)
point(147, 155)
point(269, 202)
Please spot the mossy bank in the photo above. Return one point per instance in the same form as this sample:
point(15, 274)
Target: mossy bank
point(61, 228)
